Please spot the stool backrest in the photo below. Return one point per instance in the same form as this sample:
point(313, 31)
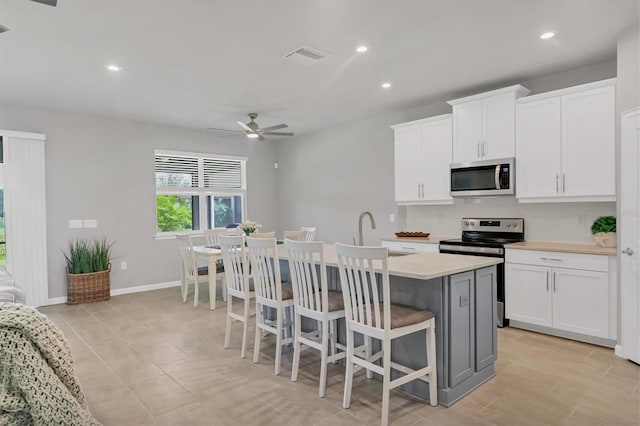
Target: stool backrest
point(236, 261)
point(265, 267)
point(364, 290)
point(309, 287)
point(311, 232)
point(271, 234)
point(185, 245)
point(211, 235)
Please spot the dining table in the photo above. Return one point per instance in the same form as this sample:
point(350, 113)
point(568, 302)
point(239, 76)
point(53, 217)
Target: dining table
point(212, 255)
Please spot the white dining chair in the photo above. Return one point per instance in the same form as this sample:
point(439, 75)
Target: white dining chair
point(295, 235)
point(313, 300)
point(271, 234)
point(211, 238)
point(239, 284)
point(191, 273)
point(311, 232)
point(270, 293)
point(369, 311)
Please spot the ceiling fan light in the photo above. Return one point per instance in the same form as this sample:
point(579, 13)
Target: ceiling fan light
point(252, 135)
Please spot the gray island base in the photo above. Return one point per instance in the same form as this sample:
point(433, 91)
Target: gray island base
point(461, 292)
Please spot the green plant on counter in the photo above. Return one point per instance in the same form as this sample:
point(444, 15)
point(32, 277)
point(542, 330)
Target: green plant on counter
point(604, 224)
point(85, 256)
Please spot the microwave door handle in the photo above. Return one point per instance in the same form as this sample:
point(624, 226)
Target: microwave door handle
point(498, 176)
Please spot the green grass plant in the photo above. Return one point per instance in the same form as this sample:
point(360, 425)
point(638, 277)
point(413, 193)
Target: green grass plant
point(86, 256)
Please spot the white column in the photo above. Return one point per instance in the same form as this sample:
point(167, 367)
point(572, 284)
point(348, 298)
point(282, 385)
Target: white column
point(25, 213)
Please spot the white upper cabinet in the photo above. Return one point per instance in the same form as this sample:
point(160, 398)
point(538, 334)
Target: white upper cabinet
point(565, 144)
point(484, 125)
point(422, 158)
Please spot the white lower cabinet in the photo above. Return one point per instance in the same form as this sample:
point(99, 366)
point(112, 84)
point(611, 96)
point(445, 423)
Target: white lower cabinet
point(561, 291)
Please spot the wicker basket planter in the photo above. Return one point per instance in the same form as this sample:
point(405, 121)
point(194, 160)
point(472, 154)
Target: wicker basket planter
point(91, 287)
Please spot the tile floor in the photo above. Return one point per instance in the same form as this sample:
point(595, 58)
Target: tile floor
point(149, 359)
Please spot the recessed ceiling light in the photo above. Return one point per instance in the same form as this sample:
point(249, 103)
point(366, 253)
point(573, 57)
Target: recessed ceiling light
point(252, 135)
point(547, 35)
point(361, 49)
point(113, 67)
point(386, 85)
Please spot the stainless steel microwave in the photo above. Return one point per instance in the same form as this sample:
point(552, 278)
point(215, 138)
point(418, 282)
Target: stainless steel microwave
point(483, 178)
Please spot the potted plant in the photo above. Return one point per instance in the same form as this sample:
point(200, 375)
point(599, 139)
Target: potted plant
point(88, 271)
point(604, 231)
point(249, 227)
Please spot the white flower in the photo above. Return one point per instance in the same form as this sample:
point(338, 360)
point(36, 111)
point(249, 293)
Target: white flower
point(249, 227)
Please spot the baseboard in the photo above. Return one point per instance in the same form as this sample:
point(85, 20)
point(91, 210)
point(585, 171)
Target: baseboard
point(141, 288)
point(121, 291)
point(619, 352)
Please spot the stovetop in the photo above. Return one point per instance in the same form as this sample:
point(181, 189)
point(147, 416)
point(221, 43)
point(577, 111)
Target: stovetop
point(489, 232)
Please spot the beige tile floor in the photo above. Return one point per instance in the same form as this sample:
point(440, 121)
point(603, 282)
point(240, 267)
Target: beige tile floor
point(149, 359)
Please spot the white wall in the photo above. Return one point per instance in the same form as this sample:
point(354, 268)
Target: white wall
point(99, 168)
point(327, 178)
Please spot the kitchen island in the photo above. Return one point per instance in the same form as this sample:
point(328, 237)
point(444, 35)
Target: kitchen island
point(461, 292)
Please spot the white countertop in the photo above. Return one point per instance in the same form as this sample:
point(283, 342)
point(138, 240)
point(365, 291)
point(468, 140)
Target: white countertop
point(562, 247)
point(429, 240)
point(421, 266)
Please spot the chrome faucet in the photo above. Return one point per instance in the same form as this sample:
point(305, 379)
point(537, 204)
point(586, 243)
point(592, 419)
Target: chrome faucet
point(373, 225)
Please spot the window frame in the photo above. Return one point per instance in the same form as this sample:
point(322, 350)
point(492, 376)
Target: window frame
point(200, 191)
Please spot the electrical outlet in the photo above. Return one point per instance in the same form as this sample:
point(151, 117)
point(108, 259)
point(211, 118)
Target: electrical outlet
point(123, 266)
point(392, 218)
point(75, 223)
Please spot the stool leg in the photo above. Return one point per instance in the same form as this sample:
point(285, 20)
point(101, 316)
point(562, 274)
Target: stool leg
point(245, 325)
point(369, 352)
point(297, 347)
point(279, 315)
point(386, 380)
point(323, 359)
point(348, 376)
point(332, 331)
point(431, 354)
point(256, 344)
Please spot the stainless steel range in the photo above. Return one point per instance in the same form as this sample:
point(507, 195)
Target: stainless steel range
point(487, 237)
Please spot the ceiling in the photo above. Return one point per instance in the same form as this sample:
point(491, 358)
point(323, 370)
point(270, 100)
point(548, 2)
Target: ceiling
point(206, 63)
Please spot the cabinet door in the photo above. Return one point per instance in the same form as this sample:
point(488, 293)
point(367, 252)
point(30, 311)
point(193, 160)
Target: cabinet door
point(486, 317)
point(588, 134)
point(467, 131)
point(408, 149)
point(538, 148)
point(461, 351)
point(581, 301)
point(528, 293)
point(498, 126)
point(436, 157)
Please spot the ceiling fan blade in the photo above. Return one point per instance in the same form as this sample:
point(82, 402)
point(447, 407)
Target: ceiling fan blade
point(53, 3)
point(278, 133)
point(276, 127)
point(245, 127)
point(215, 129)
point(3, 29)
point(260, 138)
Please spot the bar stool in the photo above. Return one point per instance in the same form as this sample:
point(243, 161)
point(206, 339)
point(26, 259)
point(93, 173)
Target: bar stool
point(236, 267)
point(312, 299)
point(295, 235)
point(370, 313)
point(270, 293)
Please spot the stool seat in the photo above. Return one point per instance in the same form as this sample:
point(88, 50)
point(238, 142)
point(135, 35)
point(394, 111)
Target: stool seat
point(402, 316)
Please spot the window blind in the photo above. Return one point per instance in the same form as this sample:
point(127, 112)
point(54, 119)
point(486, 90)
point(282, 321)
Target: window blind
point(223, 173)
point(179, 171)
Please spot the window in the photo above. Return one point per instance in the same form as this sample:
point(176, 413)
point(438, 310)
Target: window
point(198, 191)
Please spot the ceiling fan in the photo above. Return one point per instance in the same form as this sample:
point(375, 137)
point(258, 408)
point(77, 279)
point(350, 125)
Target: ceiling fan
point(53, 3)
point(253, 131)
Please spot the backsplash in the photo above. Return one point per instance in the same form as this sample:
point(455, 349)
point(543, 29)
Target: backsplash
point(561, 222)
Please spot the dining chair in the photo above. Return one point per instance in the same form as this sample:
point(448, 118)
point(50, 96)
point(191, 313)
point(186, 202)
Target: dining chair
point(239, 284)
point(270, 293)
point(211, 238)
point(295, 235)
point(271, 234)
point(191, 273)
point(313, 299)
point(369, 311)
point(311, 232)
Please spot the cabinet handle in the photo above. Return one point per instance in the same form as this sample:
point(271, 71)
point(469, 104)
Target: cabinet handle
point(485, 149)
point(408, 248)
point(418, 190)
point(422, 186)
point(547, 280)
point(550, 259)
point(479, 154)
point(564, 183)
point(554, 282)
point(557, 183)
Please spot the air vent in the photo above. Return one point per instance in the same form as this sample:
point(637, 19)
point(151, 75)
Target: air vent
point(306, 55)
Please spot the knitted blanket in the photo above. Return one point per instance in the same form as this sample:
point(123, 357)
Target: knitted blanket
point(37, 382)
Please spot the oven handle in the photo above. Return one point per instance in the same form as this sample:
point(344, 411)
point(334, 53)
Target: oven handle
point(455, 249)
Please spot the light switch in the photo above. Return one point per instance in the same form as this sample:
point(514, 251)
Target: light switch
point(392, 218)
point(75, 223)
point(90, 223)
